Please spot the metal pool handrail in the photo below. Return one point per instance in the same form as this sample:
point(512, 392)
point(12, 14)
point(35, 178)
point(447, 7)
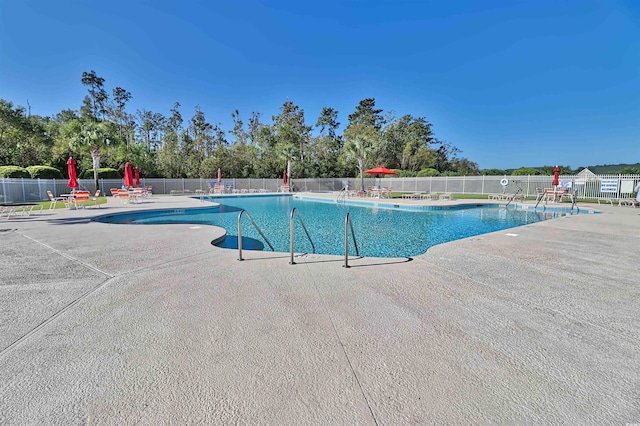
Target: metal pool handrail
point(240, 232)
point(291, 234)
point(348, 224)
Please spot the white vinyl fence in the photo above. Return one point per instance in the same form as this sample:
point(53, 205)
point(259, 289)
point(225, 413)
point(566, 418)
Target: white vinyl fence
point(591, 187)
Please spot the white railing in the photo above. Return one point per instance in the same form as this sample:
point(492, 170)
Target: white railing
point(591, 187)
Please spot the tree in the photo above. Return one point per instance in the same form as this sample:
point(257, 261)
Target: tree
point(92, 136)
point(366, 115)
point(169, 156)
point(97, 95)
point(120, 99)
point(359, 148)
point(403, 139)
point(198, 144)
point(327, 145)
point(291, 135)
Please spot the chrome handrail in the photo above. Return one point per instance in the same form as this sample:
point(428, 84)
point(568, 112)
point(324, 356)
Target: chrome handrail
point(291, 233)
point(349, 224)
point(240, 232)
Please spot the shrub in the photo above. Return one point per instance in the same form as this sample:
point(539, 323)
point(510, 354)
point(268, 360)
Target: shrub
point(14, 172)
point(103, 173)
point(428, 173)
point(525, 171)
point(44, 172)
point(403, 173)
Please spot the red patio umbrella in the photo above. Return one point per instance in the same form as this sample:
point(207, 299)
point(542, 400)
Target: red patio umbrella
point(380, 171)
point(71, 169)
point(219, 175)
point(556, 174)
point(128, 175)
point(137, 174)
point(284, 177)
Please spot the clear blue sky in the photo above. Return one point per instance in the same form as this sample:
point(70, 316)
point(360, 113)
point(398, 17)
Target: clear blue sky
point(511, 83)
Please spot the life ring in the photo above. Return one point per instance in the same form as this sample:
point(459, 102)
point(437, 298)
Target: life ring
point(504, 182)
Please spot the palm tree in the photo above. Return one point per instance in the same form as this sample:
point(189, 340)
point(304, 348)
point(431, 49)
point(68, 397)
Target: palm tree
point(92, 136)
point(359, 147)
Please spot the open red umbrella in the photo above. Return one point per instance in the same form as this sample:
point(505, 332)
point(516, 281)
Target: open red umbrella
point(380, 171)
point(71, 169)
point(128, 175)
point(284, 177)
point(556, 175)
point(137, 174)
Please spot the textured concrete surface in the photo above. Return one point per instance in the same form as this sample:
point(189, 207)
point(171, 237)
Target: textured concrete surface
point(134, 324)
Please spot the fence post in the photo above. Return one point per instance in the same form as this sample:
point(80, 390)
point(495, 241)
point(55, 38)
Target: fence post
point(24, 194)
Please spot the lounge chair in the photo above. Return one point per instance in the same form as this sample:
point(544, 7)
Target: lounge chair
point(412, 195)
point(81, 198)
point(54, 200)
point(94, 199)
point(629, 202)
point(7, 211)
point(428, 196)
point(446, 196)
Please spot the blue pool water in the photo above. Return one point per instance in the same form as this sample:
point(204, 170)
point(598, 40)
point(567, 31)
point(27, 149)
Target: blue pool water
point(380, 232)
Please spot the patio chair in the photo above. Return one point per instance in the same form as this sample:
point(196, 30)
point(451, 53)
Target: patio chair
point(54, 200)
point(7, 211)
point(81, 198)
point(629, 202)
point(94, 199)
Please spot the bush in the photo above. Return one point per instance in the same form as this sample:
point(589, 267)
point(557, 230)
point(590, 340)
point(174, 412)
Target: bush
point(428, 173)
point(14, 172)
point(403, 173)
point(103, 173)
point(44, 172)
point(525, 171)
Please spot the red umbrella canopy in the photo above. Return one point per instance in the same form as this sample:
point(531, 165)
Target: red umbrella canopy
point(556, 174)
point(128, 175)
point(284, 177)
point(71, 169)
point(380, 171)
point(137, 174)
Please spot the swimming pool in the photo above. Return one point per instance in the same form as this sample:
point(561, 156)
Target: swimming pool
point(386, 231)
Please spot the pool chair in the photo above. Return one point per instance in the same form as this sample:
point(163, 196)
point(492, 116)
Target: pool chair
point(94, 199)
point(412, 196)
point(54, 200)
point(81, 198)
point(7, 211)
point(446, 196)
point(628, 202)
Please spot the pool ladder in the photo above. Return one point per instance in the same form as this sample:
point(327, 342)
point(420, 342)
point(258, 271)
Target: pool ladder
point(348, 226)
point(292, 236)
point(246, 213)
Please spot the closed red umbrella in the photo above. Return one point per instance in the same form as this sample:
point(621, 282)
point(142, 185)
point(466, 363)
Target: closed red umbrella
point(556, 175)
point(71, 169)
point(137, 174)
point(128, 175)
point(219, 175)
point(284, 177)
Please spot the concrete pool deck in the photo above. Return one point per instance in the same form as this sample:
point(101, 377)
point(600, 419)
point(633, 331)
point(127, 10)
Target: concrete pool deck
point(151, 324)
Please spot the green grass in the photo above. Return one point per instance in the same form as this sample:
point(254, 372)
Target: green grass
point(60, 205)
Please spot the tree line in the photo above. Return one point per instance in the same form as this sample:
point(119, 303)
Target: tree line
point(104, 133)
